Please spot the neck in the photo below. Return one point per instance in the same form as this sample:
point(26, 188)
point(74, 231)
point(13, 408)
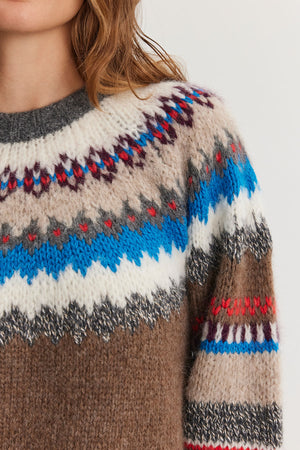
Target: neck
point(36, 69)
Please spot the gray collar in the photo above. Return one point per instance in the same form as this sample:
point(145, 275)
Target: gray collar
point(36, 123)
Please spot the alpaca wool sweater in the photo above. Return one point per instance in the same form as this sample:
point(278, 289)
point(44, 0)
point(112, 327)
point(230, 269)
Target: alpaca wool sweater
point(137, 297)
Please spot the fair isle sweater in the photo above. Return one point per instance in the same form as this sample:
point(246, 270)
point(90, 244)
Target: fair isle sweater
point(137, 298)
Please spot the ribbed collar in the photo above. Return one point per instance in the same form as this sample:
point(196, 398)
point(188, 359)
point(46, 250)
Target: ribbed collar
point(36, 123)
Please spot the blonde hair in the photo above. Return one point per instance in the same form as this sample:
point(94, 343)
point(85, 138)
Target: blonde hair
point(105, 38)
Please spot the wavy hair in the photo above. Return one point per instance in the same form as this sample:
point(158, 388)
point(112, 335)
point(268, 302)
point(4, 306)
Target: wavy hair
point(106, 40)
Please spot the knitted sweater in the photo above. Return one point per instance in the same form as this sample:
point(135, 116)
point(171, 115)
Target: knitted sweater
point(137, 297)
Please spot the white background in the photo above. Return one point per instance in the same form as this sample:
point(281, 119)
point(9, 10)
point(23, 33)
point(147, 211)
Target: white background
point(248, 51)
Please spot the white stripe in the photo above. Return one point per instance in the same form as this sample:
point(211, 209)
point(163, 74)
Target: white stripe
point(230, 335)
point(248, 334)
point(238, 333)
point(121, 113)
point(218, 335)
point(98, 283)
point(274, 331)
point(242, 212)
point(260, 333)
point(204, 331)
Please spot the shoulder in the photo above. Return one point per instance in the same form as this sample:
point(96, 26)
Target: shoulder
point(202, 121)
point(199, 113)
point(188, 115)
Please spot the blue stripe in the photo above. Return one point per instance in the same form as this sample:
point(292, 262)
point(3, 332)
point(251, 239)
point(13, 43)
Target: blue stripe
point(108, 250)
point(234, 347)
point(236, 177)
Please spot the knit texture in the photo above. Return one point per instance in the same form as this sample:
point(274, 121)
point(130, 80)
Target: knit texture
point(137, 304)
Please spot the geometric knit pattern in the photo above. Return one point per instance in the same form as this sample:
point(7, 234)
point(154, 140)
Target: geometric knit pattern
point(137, 297)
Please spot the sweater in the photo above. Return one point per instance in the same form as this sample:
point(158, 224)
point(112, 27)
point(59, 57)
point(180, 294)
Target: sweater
point(137, 303)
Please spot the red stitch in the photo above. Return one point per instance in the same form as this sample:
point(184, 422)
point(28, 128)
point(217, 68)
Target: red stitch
point(5, 238)
point(28, 181)
point(31, 236)
point(190, 446)
point(216, 310)
point(190, 179)
point(78, 172)
point(57, 232)
point(45, 180)
point(182, 104)
point(200, 319)
point(172, 204)
point(132, 218)
point(124, 155)
point(165, 125)
point(268, 300)
point(252, 310)
point(256, 301)
point(226, 303)
point(157, 133)
point(233, 147)
point(108, 223)
point(12, 185)
point(230, 311)
point(219, 156)
point(173, 114)
point(151, 211)
point(207, 169)
point(240, 305)
point(83, 226)
point(61, 176)
point(137, 149)
point(197, 322)
point(264, 309)
point(93, 167)
point(109, 162)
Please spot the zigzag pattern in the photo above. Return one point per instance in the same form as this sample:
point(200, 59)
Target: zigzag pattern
point(199, 262)
point(208, 193)
point(172, 209)
point(103, 320)
point(242, 306)
point(164, 225)
point(29, 255)
point(173, 204)
point(161, 205)
point(101, 163)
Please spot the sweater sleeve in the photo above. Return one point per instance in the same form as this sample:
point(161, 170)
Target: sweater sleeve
point(232, 395)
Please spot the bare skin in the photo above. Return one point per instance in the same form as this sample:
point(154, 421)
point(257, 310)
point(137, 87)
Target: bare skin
point(36, 63)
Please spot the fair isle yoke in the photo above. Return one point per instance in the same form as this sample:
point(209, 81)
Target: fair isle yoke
point(137, 298)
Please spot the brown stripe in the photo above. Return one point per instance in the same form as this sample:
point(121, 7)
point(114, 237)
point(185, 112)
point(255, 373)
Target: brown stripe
point(126, 393)
point(253, 378)
point(247, 278)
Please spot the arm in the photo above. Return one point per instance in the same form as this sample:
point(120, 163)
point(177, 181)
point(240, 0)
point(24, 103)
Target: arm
point(233, 390)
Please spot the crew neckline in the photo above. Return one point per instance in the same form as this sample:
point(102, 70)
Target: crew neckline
point(23, 126)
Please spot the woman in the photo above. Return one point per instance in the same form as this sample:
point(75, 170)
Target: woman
point(137, 297)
